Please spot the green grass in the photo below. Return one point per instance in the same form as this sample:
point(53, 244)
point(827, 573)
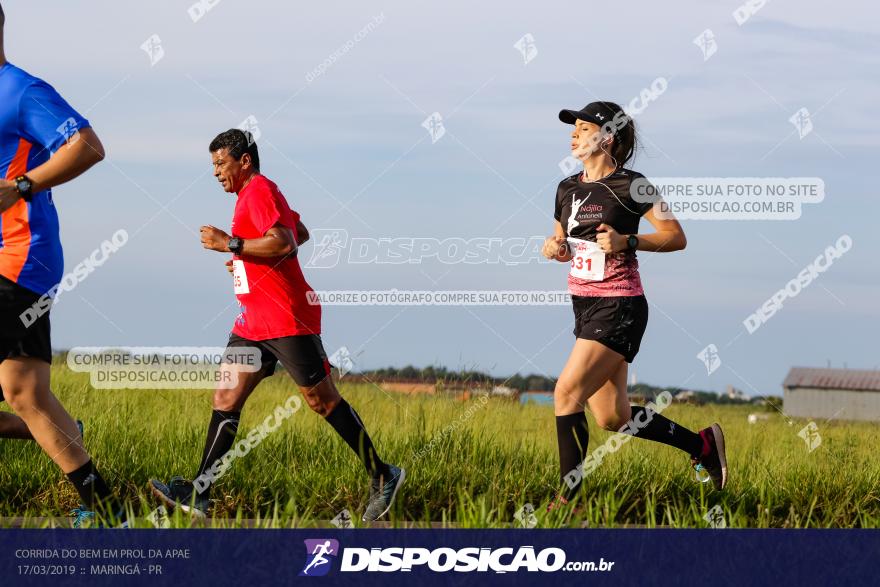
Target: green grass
point(470, 464)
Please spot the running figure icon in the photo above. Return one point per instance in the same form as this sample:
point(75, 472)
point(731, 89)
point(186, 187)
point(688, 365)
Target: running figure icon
point(319, 552)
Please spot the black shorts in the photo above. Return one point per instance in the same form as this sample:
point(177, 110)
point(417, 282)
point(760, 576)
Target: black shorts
point(302, 356)
point(617, 322)
point(20, 338)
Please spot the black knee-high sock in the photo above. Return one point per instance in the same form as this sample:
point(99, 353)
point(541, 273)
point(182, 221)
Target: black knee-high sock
point(348, 425)
point(650, 425)
point(572, 434)
point(92, 489)
point(221, 437)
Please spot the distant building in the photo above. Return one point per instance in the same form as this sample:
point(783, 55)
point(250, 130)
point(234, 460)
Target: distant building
point(687, 397)
point(638, 399)
point(504, 391)
point(409, 387)
point(736, 394)
point(839, 394)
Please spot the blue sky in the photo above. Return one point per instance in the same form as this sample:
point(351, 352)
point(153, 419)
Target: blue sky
point(356, 131)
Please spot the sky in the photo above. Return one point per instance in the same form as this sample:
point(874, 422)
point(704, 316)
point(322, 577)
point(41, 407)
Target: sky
point(339, 93)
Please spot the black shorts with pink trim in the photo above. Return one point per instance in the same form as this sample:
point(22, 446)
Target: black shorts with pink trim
point(302, 356)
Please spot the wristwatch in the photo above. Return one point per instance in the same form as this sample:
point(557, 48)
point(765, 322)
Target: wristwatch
point(235, 245)
point(24, 186)
point(632, 241)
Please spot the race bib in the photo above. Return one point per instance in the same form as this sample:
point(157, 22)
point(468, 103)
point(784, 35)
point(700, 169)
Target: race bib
point(239, 278)
point(587, 260)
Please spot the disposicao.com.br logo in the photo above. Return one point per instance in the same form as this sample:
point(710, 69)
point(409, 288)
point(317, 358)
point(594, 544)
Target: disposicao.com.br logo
point(442, 560)
point(318, 553)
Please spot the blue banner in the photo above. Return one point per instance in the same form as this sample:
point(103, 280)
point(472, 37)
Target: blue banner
point(463, 557)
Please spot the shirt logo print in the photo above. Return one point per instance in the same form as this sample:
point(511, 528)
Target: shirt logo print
point(575, 208)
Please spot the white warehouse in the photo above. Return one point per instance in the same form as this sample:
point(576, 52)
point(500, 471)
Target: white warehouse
point(838, 394)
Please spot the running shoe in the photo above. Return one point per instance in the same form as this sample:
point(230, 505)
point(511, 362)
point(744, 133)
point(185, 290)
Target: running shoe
point(84, 518)
point(180, 493)
point(382, 494)
point(81, 516)
point(714, 459)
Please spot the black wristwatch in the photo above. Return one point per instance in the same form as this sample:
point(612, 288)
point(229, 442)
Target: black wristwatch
point(632, 241)
point(235, 245)
point(25, 187)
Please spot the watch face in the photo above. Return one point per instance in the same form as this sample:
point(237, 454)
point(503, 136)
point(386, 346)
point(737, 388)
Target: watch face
point(24, 186)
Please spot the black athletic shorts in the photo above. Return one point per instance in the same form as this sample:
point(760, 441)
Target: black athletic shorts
point(617, 322)
point(302, 356)
point(18, 339)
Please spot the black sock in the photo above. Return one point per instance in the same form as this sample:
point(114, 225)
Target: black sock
point(572, 434)
point(92, 489)
point(650, 425)
point(348, 425)
point(221, 437)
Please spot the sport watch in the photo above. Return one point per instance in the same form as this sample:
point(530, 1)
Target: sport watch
point(25, 187)
point(632, 241)
point(235, 245)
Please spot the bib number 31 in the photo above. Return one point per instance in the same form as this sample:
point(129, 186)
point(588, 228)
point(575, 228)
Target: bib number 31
point(587, 260)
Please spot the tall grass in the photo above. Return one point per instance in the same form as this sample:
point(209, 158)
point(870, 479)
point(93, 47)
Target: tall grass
point(469, 463)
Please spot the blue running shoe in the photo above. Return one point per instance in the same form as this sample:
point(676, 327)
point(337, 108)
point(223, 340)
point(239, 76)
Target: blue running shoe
point(180, 493)
point(382, 494)
point(83, 518)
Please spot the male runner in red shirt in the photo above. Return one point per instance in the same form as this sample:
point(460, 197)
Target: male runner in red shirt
point(278, 319)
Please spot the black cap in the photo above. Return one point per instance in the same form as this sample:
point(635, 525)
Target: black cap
point(599, 113)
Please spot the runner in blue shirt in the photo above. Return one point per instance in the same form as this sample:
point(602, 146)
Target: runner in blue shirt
point(43, 143)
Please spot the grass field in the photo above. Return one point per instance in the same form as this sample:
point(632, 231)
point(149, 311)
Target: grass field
point(469, 464)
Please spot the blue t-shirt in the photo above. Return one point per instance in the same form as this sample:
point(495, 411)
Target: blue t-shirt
point(34, 123)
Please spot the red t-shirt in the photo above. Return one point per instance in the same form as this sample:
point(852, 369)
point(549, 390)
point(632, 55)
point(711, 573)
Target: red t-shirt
point(272, 292)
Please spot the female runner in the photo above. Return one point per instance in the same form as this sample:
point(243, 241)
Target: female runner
point(596, 232)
